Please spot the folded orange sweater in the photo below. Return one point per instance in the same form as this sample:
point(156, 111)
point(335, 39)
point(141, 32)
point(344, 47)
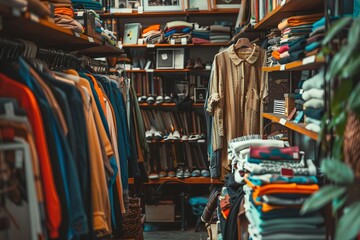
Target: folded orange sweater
point(155, 27)
point(276, 55)
point(64, 11)
point(299, 20)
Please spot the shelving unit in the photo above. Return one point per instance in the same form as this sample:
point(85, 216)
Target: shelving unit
point(163, 45)
point(144, 105)
point(308, 63)
point(167, 70)
point(297, 127)
point(33, 29)
point(175, 180)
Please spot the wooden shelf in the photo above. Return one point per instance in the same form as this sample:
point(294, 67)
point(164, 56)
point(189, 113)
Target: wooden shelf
point(297, 127)
point(106, 50)
point(176, 141)
point(196, 105)
point(135, 14)
point(308, 63)
point(164, 45)
point(290, 8)
point(167, 70)
point(175, 180)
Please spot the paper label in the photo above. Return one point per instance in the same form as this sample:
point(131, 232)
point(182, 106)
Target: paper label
point(119, 43)
point(16, 12)
point(149, 70)
point(172, 41)
point(150, 45)
point(296, 155)
point(80, 14)
point(34, 17)
point(140, 41)
point(9, 109)
point(282, 67)
point(308, 60)
point(77, 34)
point(18, 158)
point(282, 121)
point(183, 41)
point(91, 39)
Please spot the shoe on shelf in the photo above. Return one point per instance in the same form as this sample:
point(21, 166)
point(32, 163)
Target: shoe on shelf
point(187, 173)
point(153, 175)
point(159, 99)
point(195, 173)
point(150, 100)
point(169, 137)
point(163, 174)
point(176, 135)
point(189, 64)
point(168, 99)
point(184, 138)
point(180, 172)
point(194, 137)
point(171, 173)
point(158, 135)
point(198, 64)
point(205, 173)
point(149, 135)
point(142, 99)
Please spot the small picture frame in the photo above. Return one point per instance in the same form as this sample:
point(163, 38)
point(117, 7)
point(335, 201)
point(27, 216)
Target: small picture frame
point(199, 4)
point(165, 58)
point(200, 95)
point(131, 33)
point(163, 5)
point(220, 4)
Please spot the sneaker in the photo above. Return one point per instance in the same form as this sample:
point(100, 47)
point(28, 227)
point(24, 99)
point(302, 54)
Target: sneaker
point(163, 174)
point(180, 172)
point(158, 135)
point(153, 175)
point(195, 173)
point(205, 173)
point(168, 99)
point(184, 138)
point(159, 99)
point(176, 135)
point(169, 137)
point(171, 173)
point(150, 100)
point(187, 173)
point(149, 135)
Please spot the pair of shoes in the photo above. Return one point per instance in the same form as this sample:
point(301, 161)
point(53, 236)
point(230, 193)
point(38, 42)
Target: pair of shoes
point(171, 173)
point(205, 173)
point(153, 134)
point(210, 207)
point(163, 174)
point(195, 173)
point(173, 136)
point(183, 173)
point(197, 64)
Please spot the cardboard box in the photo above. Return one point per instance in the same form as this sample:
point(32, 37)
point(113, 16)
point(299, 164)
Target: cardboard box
point(160, 213)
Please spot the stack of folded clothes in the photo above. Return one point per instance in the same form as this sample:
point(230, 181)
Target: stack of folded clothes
point(64, 15)
point(220, 33)
point(313, 97)
point(153, 34)
point(273, 46)
point(295, 31)
point(176, 30)
point(314, 41)
point(87, 4)
point(299, 102)
point(200, 35)
point(279, 182)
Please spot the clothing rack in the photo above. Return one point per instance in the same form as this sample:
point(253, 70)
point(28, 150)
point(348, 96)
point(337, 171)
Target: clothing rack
point(55, 58)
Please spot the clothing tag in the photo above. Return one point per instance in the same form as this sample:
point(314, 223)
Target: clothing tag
point(150, 45)
point(183, 41)
point(9, 109)
point(308, 60)
point(140, 41)
point(91, 39)
point(301, 91)
point(16, 12)
point(296, 155)
point(34, 17)
point(119, 43)
point(80, 14)
point(282, 67)
point(140, 9)
point(287, 172)
point(282, 121)
point(77, 34)
point(19, 158)
point(172, 41)
point(149, 70)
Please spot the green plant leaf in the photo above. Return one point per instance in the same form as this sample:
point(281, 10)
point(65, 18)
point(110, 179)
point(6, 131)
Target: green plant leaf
point(320, 198)
point(338, 62)
point(338, 203)
point(336, 27)
point(354, 33)
point(354, 100)
point(349, 224)
point(337, 151)
point(341, 94)
point(337, 171)
point(339, 122)
point(351, 69)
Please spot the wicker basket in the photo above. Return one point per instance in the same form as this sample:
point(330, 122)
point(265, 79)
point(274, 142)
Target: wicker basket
point(352, 143)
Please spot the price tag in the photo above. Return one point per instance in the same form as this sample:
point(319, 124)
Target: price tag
point(309, 60)
point(119, 43)
point(172, 41)
point(34, 18)
point(282, 121)
point(77, 34)
point(91, 39)
point(296, 155)
point(140, 9)
point(301, 91)
point(80, 14)
point(16, 12)
point(282, 67)
point(149, 70)
point(9, 109)
point(19, 158)
point(183, 41)
point(150, 45)
point(140, 41)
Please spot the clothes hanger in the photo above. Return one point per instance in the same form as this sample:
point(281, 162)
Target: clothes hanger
point(243, 43)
